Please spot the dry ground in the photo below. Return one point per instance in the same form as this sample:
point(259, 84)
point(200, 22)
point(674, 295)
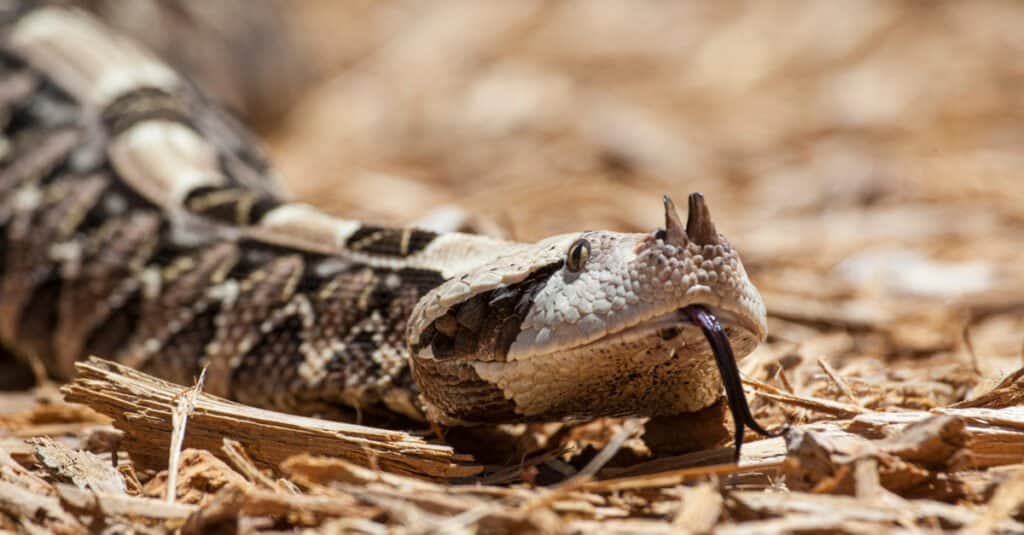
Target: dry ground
point(866, 158)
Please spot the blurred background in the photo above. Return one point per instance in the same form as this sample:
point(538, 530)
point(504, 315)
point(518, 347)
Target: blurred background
point(864, 157)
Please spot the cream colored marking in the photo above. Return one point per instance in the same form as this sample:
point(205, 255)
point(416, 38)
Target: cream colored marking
point(215, 198)
point(327, 289)
point(303, 227)
point(178, 267)
point(307, 224)
point(293, 279)
point(164, 161)
point(27, 198)
point(220, 275)
point(364, 297)
point(243, 208)
point(151, 283)
point(367, 241)
point(455, 253)
point(88, 61)
point(86, 193)
point(403, 246)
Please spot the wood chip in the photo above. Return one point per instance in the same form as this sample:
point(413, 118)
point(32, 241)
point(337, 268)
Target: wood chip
point(84, 469)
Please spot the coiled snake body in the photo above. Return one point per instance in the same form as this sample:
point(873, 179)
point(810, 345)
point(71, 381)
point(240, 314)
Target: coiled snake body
point(139, 223)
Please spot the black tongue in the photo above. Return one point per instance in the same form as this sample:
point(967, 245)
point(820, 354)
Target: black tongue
point(730, 373)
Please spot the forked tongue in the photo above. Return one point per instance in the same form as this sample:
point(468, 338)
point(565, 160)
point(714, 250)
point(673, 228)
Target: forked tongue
point(730, 373)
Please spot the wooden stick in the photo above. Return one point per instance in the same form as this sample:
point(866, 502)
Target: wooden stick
point(142, 407)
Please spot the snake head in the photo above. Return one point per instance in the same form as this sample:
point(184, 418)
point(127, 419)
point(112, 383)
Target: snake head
point(585, 325)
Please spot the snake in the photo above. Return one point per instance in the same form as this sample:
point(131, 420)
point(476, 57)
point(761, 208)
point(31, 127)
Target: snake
point(141, 223)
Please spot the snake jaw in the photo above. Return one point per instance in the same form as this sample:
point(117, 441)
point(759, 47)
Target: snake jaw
point(742, 327)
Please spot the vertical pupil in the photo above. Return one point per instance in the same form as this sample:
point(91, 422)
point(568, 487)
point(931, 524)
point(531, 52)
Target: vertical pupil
point(577, 255)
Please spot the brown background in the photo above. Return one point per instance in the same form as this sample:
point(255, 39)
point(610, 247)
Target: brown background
point(865, 157)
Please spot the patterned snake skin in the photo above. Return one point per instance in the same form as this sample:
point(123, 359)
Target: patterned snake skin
point(139, 223)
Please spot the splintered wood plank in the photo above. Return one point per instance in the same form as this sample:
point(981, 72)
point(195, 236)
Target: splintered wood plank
point(142, 407)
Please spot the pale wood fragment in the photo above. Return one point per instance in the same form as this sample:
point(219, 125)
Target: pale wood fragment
point(80, 500)
point(1007, 500)
point(199, 473)
point(835, 511)
point(84, 469)
point(702, 506)
point(1009, 392)
point(20, 502)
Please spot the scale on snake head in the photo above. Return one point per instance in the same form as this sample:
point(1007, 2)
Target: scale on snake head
point(592, 324)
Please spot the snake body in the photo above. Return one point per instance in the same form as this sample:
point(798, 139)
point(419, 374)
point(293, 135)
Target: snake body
point(140, 223)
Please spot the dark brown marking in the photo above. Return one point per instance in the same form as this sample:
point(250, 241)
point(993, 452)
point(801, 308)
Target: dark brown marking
point(471, 314)
point(270, 364)
point(180, 357)
point(261, 207)
point(16, 87)
point(184, 283)
point(102, 282)
point(259, 294)
point(31, 236)
point(47, 108)
point(487, 324)
point(389, 241)
point(115, 331)
point(232, 205)
point(144, 104)
point(699, 227)
point(37, 321)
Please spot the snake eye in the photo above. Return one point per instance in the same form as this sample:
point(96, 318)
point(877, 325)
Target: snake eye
point(579, 253)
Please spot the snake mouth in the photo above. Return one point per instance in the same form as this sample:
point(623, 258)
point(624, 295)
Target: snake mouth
point(669, 326)
point(709, 320)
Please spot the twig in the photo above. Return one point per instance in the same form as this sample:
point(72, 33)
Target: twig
point(840, 383)
point(842, 410)
point(628, 429)
point(179, 419)
point(241, 462)
point(591, 469)
point(674, 477)
point(785, 381)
